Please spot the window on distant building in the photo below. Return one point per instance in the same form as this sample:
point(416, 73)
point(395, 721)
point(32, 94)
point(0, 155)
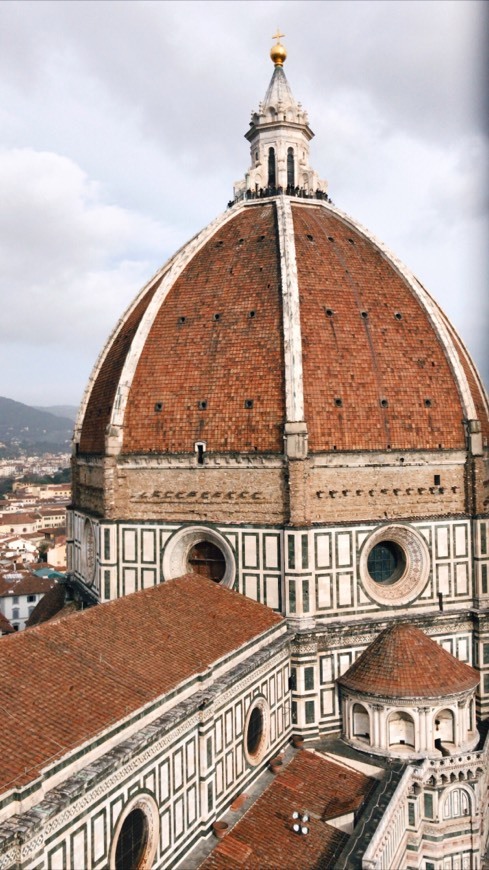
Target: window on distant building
point(15, 613)
point(31, 597)
point(290, 168)
point(271, 168)
point(15, 599)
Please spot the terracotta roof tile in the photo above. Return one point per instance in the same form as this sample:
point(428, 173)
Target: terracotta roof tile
point(5, 626)
point(67, 681)
point(50, 606)
point(402, 662)
point(264, 837)
point(28, 584)
point(223, 362)
point(378, 344)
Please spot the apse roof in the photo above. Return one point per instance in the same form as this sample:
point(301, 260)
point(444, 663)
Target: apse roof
point(65, 682)
point(402, 662)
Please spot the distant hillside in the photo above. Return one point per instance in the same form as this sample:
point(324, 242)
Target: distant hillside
point(24, 427)
point(67, 411)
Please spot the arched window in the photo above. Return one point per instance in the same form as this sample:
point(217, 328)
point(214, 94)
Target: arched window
point(272, 175)
point(361, 722)
point(457, 803)
point(401, 729)
point(290, 168)
point(444, 730)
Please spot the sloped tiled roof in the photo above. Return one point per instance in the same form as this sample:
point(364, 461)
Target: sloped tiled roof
point(65, 682)
point(264, 838)
point(51, 605)
point(402, 662)
point(5, 626)
point(27, 584)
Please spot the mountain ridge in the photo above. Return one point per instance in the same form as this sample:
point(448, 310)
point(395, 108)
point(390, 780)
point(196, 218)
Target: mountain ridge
point(25, 426)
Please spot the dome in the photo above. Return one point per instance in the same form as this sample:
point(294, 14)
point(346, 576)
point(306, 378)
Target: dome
point(282, 311)
point(402, 662)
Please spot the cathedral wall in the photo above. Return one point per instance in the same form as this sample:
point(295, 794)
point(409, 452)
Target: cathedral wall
point(182, 771)
point(326, 573)
point(374, 491)
point(88, 485)
point(323, 656)
point(240, 494)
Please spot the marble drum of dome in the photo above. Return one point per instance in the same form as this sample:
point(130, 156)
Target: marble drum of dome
point(394, 564)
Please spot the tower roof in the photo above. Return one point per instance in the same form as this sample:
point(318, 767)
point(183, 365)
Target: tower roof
point(279, 92)
point(402, 662)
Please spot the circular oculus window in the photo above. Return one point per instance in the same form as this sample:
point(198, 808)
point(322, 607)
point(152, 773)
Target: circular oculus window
point(394, 565)
point(256, 731)
point(136, 834)
point(199, 550)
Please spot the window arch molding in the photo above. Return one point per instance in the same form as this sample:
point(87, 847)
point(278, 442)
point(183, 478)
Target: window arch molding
point(401, 728)
point(414, 569)
point(145, 804)
point(457, 802)
point(177, 550)
point(360, 721)
point(256, 731)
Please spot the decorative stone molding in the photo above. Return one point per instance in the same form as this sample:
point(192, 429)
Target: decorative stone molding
point(415, 571)
point(149, 808)
point(259, 707)
point(212, 460)
point(177, 548)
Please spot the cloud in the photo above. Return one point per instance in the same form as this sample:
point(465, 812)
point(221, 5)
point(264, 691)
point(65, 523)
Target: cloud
point(122, 134)
point(69, 259)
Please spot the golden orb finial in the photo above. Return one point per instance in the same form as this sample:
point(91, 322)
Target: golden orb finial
point(278, 52)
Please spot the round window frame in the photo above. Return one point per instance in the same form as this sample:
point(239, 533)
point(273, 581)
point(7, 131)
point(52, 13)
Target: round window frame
point(259, 703)
point(178, 547)
point(416, 568)
point(148, 806)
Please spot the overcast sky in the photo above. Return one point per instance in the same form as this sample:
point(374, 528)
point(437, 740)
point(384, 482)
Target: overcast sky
point(121, 134)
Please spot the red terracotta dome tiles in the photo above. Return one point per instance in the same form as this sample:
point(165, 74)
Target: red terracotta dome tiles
point(362, 353)
point(402, 662)
point(99, 406)
point(222, 355)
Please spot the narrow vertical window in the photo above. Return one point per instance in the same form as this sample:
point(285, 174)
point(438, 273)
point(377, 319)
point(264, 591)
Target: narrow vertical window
point(310, 715)
point(483, 538)
point(291, 551)
point(107, 585)
point(272, 177)
point(107, 544)
point(484, 579)
point(411, 815)
point(290, 168)
point(292, 604)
